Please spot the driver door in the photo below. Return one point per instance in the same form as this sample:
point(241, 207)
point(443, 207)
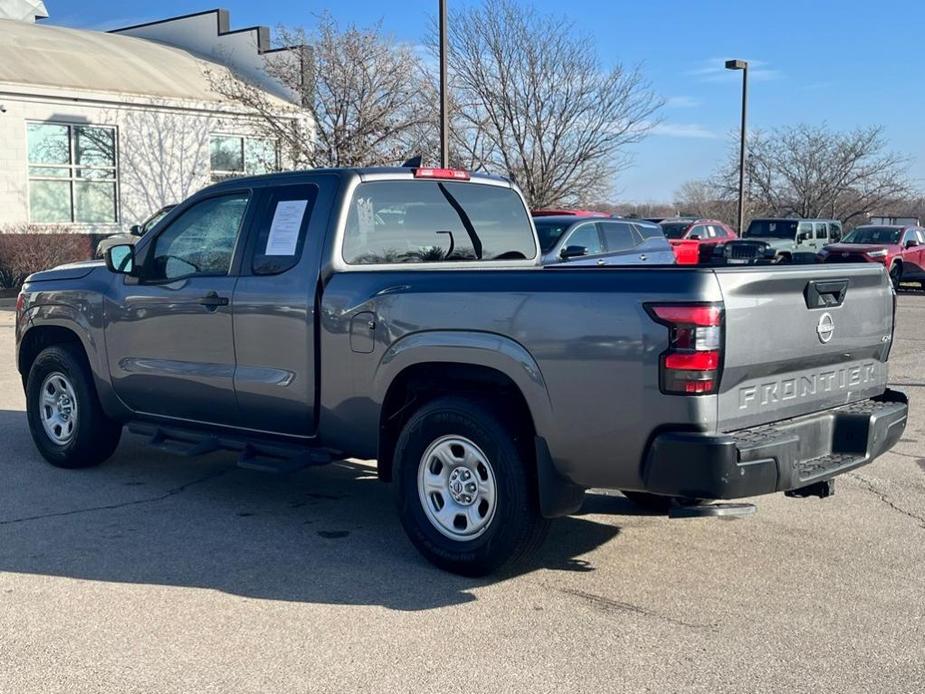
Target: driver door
point(169, 334)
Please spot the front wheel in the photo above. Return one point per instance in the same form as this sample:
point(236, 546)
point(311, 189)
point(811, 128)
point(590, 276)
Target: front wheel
point(66, 420)
point(465, 487)
point(896, 275)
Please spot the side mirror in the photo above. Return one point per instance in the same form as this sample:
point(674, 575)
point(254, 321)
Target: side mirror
point(573, 252)
point(135, 230)
point(694, 237)
point(911, 243)
point(802, 236)
point(121, 259)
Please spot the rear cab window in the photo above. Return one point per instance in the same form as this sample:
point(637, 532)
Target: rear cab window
point(280, 228)
point(418, 221)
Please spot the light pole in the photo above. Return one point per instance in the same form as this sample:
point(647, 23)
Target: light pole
point(743, 66)
point(444, 92)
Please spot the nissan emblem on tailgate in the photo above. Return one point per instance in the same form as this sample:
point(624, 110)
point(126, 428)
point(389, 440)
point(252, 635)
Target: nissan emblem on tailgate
point(826, 328)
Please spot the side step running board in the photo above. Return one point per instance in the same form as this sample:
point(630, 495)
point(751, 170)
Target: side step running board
point(712, 510)
point(256, 454)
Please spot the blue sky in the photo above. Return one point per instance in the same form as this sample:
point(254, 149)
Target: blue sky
point(847, 63)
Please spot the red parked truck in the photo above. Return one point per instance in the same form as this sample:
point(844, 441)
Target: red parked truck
point(900, 249)
point(693, 240)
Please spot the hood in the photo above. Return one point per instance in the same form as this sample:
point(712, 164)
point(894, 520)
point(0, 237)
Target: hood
point(773, 241)
point(71, 271)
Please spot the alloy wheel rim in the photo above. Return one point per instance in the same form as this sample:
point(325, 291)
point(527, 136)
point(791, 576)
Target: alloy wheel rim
point(457, 488)
point(58, 408)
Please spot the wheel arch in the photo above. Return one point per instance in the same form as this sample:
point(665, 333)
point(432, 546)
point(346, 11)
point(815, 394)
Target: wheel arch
point(42, 336)
point(426, 365)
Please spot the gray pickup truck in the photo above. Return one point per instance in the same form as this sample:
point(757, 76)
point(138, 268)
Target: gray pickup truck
point(403, 315)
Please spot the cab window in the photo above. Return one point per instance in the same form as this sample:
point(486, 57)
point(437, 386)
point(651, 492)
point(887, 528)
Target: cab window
point(586, 235)
point(413, 222)
point(822, 231)
point(699, 231)
point(280, 228)
point(201, 241)
point(805, 231)
point(620, 236)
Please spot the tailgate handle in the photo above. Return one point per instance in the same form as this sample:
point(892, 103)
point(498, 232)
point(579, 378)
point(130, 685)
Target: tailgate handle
point(825, 294)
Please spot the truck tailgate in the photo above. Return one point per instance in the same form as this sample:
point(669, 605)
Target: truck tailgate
point(801, 339)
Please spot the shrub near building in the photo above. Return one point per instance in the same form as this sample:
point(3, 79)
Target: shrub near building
point(28, 249)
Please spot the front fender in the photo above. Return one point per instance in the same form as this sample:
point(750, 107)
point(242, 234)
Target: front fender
point(470, 347)
point(81, 314)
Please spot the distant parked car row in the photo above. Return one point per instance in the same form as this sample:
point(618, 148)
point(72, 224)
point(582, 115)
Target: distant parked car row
point(587, 240)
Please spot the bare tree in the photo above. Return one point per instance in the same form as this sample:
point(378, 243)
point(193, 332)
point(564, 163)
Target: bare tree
point(361, 93)
point(700, 198)
point(813, 171)
point(532, 102)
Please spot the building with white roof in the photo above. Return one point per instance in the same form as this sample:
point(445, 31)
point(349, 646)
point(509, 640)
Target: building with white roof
point(100, 129)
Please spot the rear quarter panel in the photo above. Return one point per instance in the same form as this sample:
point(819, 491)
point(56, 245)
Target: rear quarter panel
point(594, 347)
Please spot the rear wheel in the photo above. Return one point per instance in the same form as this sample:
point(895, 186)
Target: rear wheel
point(65, 418)
point(465, 487)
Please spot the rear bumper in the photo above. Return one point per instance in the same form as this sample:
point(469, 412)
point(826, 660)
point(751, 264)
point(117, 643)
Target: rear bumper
point(777, 457)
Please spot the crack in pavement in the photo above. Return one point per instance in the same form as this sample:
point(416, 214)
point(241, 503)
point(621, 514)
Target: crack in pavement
point(108, 507)
point(611, 605)
point(869, 486)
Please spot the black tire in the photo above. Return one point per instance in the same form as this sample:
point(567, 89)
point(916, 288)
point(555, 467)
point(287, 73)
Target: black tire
point(515, 527)
point(656, 503)
point(95, 436)
point(896, 275)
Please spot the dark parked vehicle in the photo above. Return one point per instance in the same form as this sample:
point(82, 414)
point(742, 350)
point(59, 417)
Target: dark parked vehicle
point(403, 315)
point(592, 241)
point(564, 212)
point(694, 240)
point(788, 237)
point(136, 232)
point(900, 249)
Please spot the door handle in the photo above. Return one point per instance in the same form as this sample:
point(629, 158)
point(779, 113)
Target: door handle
point(212, 301)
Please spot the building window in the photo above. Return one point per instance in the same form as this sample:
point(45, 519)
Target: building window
point(72, 174)
point(233, 155)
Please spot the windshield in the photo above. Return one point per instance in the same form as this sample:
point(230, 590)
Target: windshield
point(674, 230)
point(873, 235)
point(436, 221)
point(771, 228)
point(550, 233)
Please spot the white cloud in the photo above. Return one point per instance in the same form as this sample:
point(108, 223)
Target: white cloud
point(682, 102)
point(684, 130)
point(714, 70)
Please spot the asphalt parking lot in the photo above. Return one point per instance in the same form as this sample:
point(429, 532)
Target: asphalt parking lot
point(154, 573)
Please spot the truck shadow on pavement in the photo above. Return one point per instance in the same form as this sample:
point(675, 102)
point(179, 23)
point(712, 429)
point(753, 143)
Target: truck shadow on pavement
point(325, 535)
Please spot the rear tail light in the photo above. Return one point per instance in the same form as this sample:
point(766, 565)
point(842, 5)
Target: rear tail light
point(692, 364)
point(450, 174)
point(20, 304)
